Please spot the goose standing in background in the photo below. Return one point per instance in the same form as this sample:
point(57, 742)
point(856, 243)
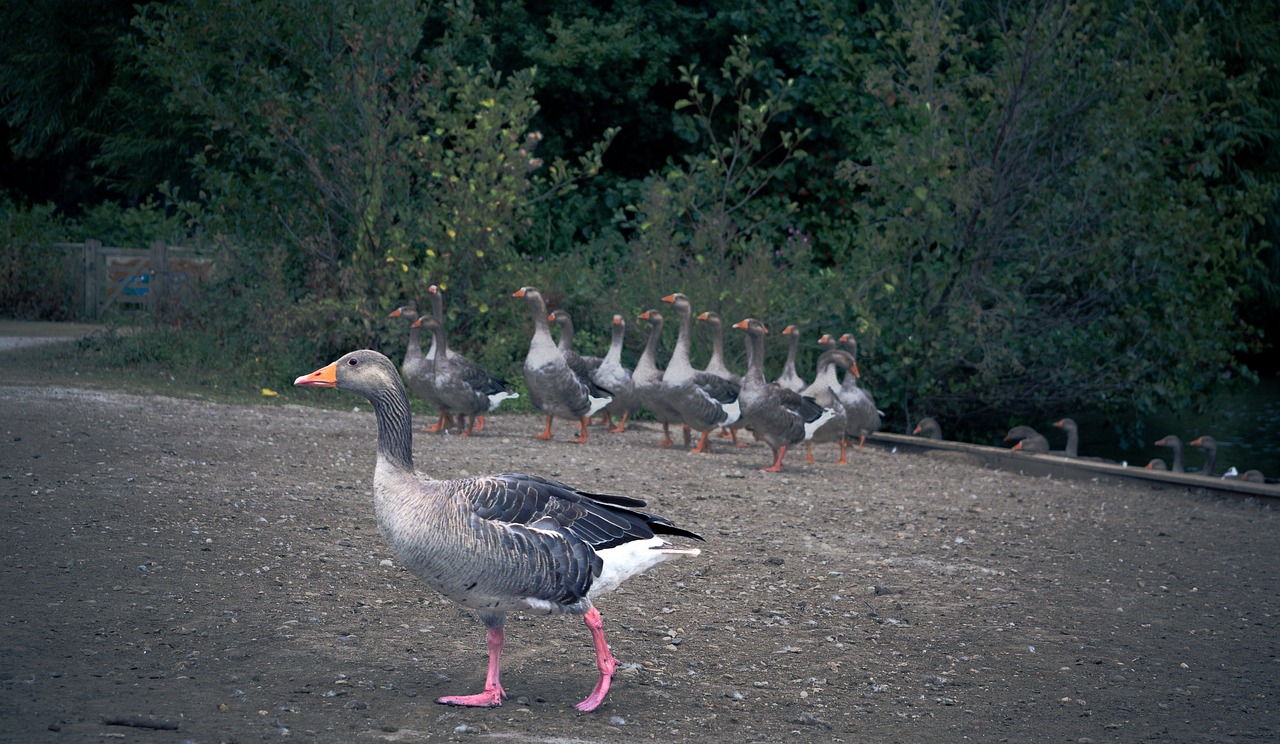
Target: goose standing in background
point(704, 401)
point(647, 381)
point(501, 543)
point(1210, 447)
point(825, 389)
point(553, 386)
point(419, 369)
point(859, 405)
point(716, 366)
point(1174, 443)
point(463, 386)
point(928, 427)
point(617, 379)
point(789, 378)
point(582, 366)
point(780, 417)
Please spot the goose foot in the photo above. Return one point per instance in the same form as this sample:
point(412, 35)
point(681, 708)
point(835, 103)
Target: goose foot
point(546, 433)
point(493, 694)
point(604, 662)
point(622, 425)
point(582, 434)
point(702, 444)
point(776, 467)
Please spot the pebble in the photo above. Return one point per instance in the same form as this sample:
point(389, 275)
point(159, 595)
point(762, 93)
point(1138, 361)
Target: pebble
point(618, 721)
point(385, 563)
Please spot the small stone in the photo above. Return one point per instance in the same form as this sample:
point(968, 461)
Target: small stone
point(618, 721)
point(355, 705)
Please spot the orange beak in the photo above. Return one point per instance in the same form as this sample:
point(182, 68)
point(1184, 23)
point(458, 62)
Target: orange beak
point(394, 313)
point(617, 320)
point(741, 325)
point(326, 376)
point(1017, 446)
point(644, 315)
point(854, 369)
point(519, 293)
point(669, 298)
point(703, 316)
point(433, 289)
point(417, 323)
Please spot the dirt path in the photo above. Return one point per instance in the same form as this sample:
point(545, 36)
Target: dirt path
point(214, 568)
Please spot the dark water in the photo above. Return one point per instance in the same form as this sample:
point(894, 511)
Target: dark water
point(1246, 426)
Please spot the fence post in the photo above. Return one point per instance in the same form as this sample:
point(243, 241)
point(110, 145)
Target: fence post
point(159, 273)
point(89, 271)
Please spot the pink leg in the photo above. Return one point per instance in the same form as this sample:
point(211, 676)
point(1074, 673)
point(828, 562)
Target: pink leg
point(666, 436)
point(622, 425)
point(604, 662)
point(842, 460)
point(808, 453)
point(493, 693)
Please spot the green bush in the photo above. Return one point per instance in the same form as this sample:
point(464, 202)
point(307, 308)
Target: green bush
point(38, 281)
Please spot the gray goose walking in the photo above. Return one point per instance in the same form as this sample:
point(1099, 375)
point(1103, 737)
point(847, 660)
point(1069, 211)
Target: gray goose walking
point(860, 406)
point(611, 375)
point(780, 417)
point(419, 369)
point(500, 543)
point(825, 389)
point(554, 388)
point(716, 366)
point(704, 401)
point(462, 385)
point(647, 381)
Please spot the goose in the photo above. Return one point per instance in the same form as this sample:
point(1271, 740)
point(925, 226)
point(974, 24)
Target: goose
point(704, 401)
point(462, 385)
point(617, 379)
point(1156, 464)
point(1210, 447)
point(716, 365)
point(1018, 433)
point(419, 369)
point(500, 543)
point(1073, 436)
point(860, 407)
point(582, 366)
point(1034, 443)
point(780, 417)
point(646, 379)
point(1254, 476)
point(928, 427)
point(553, 387)
point(825, 389)
point(789, 379)
point(1174, 443)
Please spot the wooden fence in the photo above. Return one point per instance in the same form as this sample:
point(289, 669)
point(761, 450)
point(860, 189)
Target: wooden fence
point(126, 276)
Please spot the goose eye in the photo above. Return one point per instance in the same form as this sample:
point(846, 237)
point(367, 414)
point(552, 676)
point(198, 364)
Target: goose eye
point(353, 362)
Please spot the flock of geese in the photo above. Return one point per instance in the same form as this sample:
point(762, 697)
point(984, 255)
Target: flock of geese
point(1027, 439)
point(563, 383)
point(516, 542)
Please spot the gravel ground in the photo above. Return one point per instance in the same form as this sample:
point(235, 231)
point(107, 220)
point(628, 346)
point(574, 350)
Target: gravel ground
point(177, 570)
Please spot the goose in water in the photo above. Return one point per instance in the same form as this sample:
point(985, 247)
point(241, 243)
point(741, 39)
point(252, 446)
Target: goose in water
point(928, 427)
point(1210, 447)
point(1073, 436)
point(781, 417)
point(1174, 443)
point(462, 385)
point(704, 401)
point(500, 543)
point(419, 369)
point(553, 386)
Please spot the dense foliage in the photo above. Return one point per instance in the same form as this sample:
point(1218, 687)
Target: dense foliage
point(1018, 209)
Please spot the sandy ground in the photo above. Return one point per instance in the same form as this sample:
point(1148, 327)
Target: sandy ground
point(177, 570)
